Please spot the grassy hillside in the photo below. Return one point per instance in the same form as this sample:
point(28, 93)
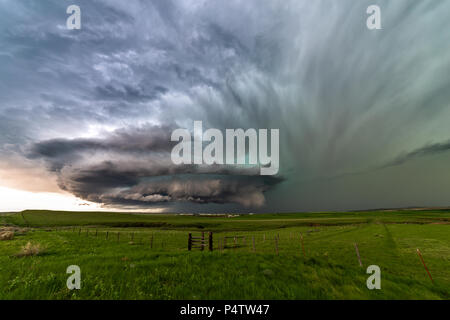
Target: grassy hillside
point(43, 218)
point(129, 256)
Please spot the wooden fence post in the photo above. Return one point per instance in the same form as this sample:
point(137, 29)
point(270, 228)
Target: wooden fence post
point(357, 253)
point(107, 234)
point(189, 241)
point(210, 236)
point(423, 262)
point(303, 247)
point(276, 244)
point(151, 242)
point(253, 241)
point(203, 242)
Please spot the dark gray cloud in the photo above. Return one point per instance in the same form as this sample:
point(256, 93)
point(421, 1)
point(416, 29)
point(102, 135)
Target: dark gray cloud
point(112, 187)
point(145, 140)
point(132, 167)
point(344, 98)
point(427, 150)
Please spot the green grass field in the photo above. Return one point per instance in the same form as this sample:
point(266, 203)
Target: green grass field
point(149, 259)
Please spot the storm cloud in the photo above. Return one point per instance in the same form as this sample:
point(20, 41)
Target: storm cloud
point(427, 150)
point(133, 167)
point(363, 114)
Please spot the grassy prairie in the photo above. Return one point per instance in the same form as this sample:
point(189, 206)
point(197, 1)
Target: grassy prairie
point(149, 259)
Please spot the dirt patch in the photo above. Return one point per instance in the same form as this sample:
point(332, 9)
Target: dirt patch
point(6, 235)
point(14, 229)
point(31, 250)
point(8, 232)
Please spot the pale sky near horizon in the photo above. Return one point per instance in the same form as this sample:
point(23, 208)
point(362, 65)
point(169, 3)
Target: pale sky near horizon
point(86, 115)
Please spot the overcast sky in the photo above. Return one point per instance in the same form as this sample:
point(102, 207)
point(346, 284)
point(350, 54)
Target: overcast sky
point(86, 115)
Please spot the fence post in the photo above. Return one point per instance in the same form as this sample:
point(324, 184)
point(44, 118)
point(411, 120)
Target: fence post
point(79, 232)
point(303, 247)
point(423, 262)
point(96, 231)
point(107, 234)
point(276, 244)
point(235, 242)
point(151, 242)
point(118, 236)
point(203, 242)
point(357, 253)
point(253, 241)
point(189, 241)
point(210, 235)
